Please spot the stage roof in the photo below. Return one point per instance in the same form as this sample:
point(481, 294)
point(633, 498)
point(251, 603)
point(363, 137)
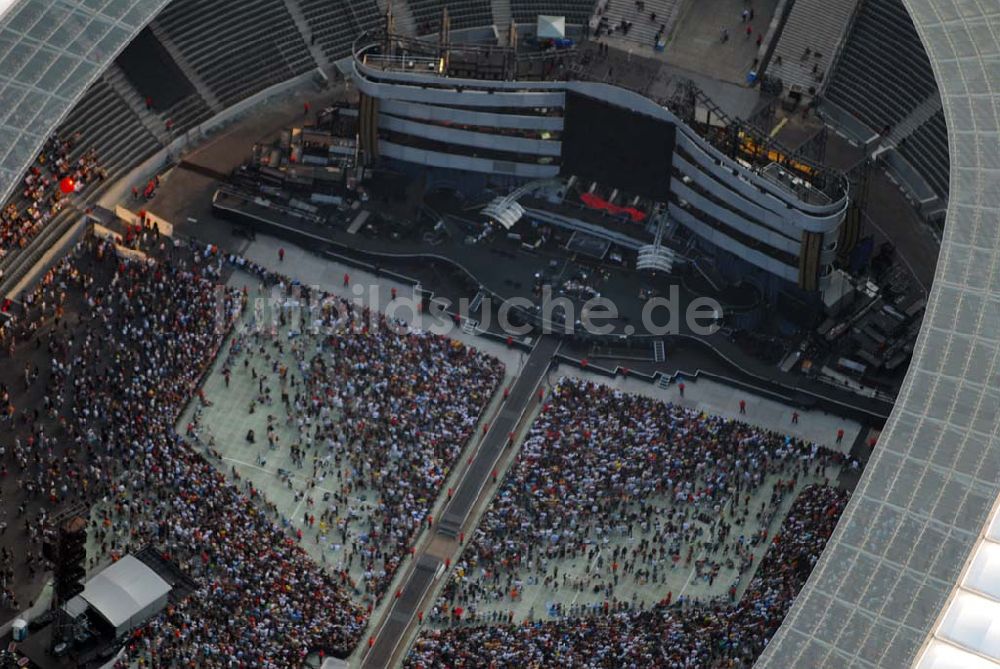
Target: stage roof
point(124, 590)
point(551, 27)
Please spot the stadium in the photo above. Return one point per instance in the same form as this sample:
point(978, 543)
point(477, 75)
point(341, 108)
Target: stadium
point(302, 361)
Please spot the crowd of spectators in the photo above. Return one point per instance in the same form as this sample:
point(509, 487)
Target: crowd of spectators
point(123, 364)
point(391, 409)
point(635, 488)
point(41, 198)
point(376, 411)
point(384, 408)
point(685, 633)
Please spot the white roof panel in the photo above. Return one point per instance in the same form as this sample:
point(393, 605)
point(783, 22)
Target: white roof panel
point(124, 590)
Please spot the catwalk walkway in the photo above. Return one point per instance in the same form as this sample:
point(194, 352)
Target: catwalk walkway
point(429, 562)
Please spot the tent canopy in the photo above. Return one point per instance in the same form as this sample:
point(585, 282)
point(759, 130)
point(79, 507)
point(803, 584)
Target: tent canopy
point(127, 590)
point(551, 27)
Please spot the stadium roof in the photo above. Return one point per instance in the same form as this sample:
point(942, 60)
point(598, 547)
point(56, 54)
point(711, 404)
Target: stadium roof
point(50, 52)
point(884, 594)
point(888, 577)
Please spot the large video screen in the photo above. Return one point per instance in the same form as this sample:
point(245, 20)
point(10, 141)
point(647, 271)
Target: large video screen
point(617, 147)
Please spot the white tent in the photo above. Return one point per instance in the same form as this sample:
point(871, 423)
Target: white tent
point(551, 27)
point(126, 594)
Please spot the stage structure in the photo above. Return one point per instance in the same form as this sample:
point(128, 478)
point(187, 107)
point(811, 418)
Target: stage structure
point(497, 117)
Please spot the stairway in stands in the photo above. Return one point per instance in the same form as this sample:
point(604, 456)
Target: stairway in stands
point(117, 80)
point(203, 90)
point(816, 25)
point(318, 54)
point(501, 18)
point(916, 118)
point(644, 29)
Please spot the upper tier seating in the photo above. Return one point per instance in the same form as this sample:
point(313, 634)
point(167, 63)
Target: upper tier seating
point(884, 79)
point(236, 49)
point(815, 27)
point(336, 23)
point(883, 73)
point(927, 151)
point(463, 14)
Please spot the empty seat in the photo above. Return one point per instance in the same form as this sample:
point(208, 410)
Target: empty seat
point(334, 24)
point(883, 72)
point(809, 40)
point(463, 14)
point(236, 49)
point(648, 21)
point(927, 151)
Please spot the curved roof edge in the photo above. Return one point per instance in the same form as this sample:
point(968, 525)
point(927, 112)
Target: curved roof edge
point(893, 562)
point(51, 51)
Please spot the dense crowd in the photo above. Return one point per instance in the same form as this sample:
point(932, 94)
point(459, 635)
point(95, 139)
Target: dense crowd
point(389, 409)
point(377, 408)
point(142, 335)
point(636, 488)
point(688, 634)
point(41, 198)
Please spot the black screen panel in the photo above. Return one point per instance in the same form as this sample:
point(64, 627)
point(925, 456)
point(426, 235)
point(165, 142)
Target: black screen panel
point(617, 147)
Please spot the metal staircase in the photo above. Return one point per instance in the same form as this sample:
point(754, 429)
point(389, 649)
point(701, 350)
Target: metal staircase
point(656, 257)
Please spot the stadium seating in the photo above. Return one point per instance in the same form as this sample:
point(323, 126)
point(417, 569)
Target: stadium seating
point(577, 12)
point(463, 14)
point(814, 25)
point(336, 23)
point(104, 121)
point(643, 30)
point(884, 79)
point(236, 49)
point(145, 70)
point(927, 150)
point(100, 120)
point(883, 73)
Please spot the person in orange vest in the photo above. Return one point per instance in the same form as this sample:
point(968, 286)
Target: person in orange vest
point(840, 435)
